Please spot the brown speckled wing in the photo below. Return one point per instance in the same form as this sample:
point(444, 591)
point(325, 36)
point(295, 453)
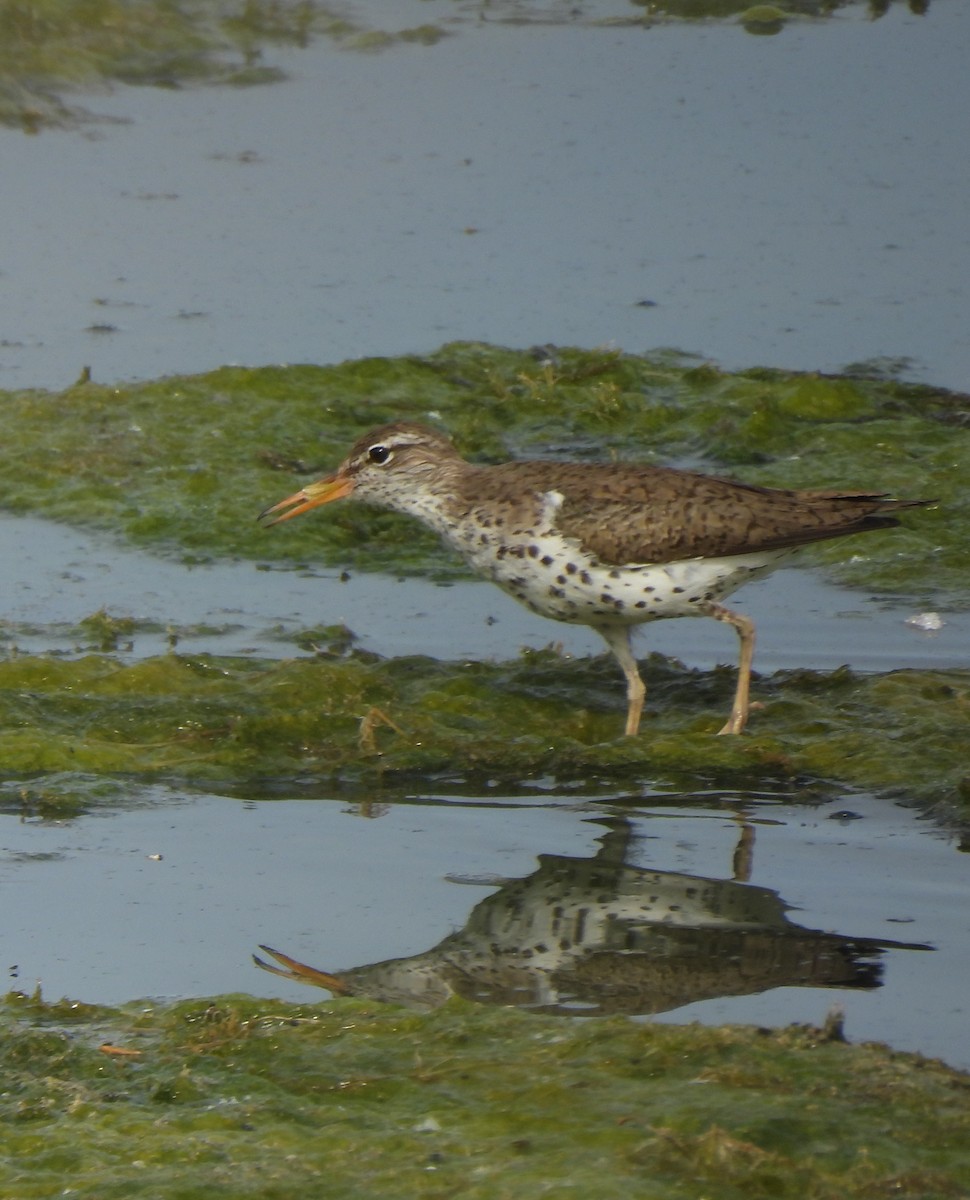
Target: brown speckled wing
point(625, 513)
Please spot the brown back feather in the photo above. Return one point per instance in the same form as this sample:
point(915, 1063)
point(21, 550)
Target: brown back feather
point(627, 513)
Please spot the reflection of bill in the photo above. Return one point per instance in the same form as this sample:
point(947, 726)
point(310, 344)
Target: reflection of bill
point(595, 935)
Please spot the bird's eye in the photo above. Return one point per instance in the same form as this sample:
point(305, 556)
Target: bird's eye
point(379, 454)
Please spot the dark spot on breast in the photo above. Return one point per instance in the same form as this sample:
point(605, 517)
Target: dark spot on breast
point(640, 604)
point(547, 560)
point(614, 574)
point(606, 598)
point(677, 590)
point(560, 579)
point(533, 551)
point(571, 568)
point(647, 590)
point(557, 592)
point(586, 577)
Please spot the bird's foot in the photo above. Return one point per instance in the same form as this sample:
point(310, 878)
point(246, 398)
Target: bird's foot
point(739, 718)
point(369, 724)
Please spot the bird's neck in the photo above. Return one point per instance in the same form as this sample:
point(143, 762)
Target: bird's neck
point(432, 493)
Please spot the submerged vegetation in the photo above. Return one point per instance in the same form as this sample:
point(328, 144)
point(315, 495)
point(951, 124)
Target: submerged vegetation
point(53, 48)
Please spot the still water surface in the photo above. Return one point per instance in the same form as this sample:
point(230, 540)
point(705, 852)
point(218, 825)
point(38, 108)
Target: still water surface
point(795, 201)
point(91, 911)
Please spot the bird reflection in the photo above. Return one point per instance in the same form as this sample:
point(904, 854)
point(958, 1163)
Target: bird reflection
point(592, 936)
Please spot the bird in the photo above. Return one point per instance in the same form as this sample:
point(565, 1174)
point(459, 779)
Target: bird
point(610, 545)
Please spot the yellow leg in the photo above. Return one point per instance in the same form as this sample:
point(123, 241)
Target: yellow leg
point(617, 637)
point(745, 630)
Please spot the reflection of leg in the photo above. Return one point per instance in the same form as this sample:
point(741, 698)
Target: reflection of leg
point(745, 629)
point(616, 842)
point(617, 637)
point(742, 861)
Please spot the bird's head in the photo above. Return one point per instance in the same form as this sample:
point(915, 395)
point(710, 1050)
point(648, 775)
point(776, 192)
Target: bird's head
point(390, 466)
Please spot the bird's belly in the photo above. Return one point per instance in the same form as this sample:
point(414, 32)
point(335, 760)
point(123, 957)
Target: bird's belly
point(589, 593)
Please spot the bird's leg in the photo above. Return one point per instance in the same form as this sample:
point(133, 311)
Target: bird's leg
point(745, 630)
point(617, 637)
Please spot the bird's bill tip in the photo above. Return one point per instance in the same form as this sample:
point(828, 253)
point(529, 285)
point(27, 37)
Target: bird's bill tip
point(291, 968)
point(314, 494)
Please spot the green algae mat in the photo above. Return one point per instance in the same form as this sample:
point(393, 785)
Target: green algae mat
point(184, 464)
point(366, 720)
point(236, 1097)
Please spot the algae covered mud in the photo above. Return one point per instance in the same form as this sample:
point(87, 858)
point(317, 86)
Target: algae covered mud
point(237, 1097)
point(198, 786)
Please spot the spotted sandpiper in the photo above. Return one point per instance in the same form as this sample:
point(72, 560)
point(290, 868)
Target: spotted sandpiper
point(608, 545)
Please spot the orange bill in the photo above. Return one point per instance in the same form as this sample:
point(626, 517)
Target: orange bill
point(321, 492)
point(300, 973)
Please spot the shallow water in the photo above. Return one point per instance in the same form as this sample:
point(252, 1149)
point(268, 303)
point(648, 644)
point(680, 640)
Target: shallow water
point(54, 576)
point(796, 201)
point(170, 897)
